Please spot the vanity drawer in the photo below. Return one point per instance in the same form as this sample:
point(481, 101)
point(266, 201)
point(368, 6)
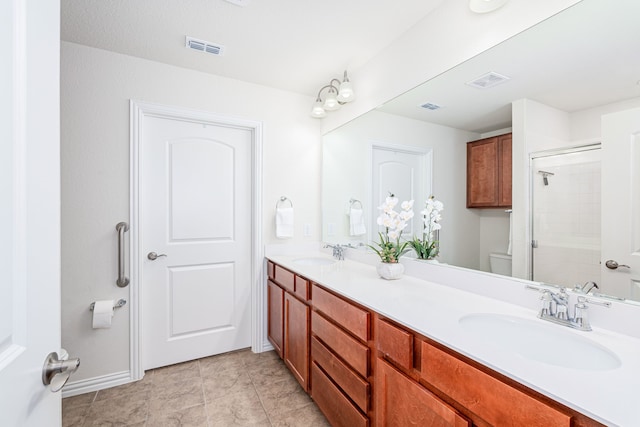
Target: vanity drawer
point(271, 270)
point(395, 344)
point(341, 343)
point(301, 288)
point(353, 386)
point(350, 317)
point(285, 278)
point(333, 404)
point(485, 395)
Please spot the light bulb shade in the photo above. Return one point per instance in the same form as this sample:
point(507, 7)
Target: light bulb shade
point(318, 110)
point(331, 102)
point(346, 93)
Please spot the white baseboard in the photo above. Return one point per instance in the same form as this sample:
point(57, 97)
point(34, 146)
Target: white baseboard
point(96, 383)
point(266, 346)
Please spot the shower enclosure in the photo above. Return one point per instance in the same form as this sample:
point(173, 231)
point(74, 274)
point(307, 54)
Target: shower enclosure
point(565, 216)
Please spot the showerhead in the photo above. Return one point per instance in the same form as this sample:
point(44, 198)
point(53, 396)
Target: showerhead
point(545, 174)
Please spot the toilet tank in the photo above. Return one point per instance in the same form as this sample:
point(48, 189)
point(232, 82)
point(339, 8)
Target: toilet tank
point(500, 263)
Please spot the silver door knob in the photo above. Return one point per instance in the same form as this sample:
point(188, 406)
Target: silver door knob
point(154, 256)
point(57, 372)
point(614, 264)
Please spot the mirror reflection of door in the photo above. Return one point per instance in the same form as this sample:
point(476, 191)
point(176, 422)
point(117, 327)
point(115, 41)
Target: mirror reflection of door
point(621, 199)
point(404, 172)
point(565, 191)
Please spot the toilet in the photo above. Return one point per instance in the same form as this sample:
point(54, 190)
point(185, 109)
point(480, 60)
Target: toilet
point(500, 263)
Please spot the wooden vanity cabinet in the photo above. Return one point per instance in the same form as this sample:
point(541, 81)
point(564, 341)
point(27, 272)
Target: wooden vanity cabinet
point(399, 397)
point(489, 173)
point(363, 369)
point(296, 338)
point(340, 359)
point(488, 398)
point(448, 389)
point(289, 320)
point(403, 402)
point(275, 301)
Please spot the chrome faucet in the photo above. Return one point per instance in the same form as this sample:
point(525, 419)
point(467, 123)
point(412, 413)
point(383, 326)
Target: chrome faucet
point(338, 251)
point(554, 307)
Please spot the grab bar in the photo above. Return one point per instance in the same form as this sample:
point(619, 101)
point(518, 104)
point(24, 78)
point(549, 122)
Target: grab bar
point(122, 279)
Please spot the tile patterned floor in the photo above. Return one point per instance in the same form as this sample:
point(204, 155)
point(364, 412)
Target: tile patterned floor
point(232, 389)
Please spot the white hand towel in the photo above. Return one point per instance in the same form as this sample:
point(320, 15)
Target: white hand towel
point(284, 223)
point(356, 222)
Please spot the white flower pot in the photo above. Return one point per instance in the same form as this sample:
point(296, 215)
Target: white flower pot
point(429, 261)
point(390, 270)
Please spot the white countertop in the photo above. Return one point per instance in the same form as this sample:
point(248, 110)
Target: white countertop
point(433, 310)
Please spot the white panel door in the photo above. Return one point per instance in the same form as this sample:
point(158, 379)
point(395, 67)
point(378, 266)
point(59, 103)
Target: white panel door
point(29, 209)
point(404, 173)
point(621, 203)
point(196, 216)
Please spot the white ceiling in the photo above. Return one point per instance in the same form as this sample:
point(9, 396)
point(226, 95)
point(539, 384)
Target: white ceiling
point(586, 56)
point(294, 45)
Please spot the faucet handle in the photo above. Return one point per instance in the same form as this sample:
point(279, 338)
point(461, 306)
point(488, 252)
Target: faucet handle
point(581, 317)
point(545, 305)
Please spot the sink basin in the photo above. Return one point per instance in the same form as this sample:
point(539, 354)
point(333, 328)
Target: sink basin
point(314, 261)
point(535, 340)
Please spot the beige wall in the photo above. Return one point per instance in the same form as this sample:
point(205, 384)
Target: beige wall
point(96, 87)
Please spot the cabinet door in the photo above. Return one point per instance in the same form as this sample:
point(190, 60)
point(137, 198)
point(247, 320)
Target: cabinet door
point(482, 394)
point(275, 326)
point(489, 172)
point(504, 148)
point(296, 339)
point(402, 402)
point(482, 173)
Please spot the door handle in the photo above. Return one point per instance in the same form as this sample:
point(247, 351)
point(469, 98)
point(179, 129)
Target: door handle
point(154, 256)
point(611, 264)
point(57, 371)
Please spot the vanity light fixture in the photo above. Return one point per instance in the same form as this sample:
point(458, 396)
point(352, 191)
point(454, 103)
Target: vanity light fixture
point(486, 6)
point(338, 94)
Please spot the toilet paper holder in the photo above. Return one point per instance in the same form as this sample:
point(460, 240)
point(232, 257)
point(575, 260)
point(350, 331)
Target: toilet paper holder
point(120, 303)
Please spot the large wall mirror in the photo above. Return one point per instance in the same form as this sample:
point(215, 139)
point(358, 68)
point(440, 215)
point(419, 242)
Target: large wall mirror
point(565, 75)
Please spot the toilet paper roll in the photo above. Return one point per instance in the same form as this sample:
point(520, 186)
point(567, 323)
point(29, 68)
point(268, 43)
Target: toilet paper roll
point(102, 314)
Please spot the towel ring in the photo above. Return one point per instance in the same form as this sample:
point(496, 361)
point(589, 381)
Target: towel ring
point(353, 201)
point(282, 200)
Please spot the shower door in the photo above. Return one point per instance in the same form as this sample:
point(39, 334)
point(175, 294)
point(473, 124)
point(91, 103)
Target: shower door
point(565, 209)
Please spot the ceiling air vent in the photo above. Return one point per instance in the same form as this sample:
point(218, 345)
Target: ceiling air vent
point(430, 106)
point(203, 46)
point(490, 79)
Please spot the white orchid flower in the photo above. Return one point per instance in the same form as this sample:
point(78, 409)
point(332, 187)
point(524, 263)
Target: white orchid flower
point(388, 222)
point(406, 215)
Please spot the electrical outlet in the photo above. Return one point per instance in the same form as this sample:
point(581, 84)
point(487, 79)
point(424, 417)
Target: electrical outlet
point(307, 230)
